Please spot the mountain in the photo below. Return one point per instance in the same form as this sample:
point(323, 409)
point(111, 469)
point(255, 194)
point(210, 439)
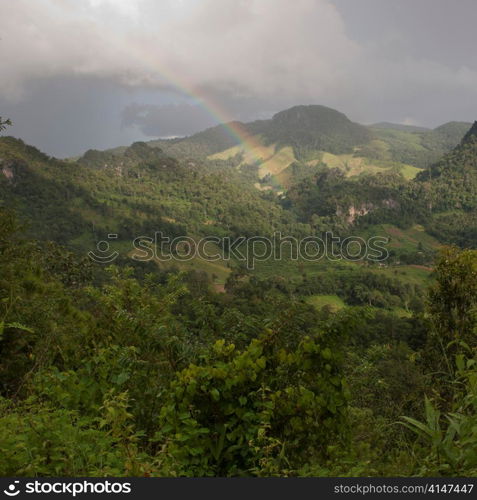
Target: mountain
point(471, 135)
point(453, 180)
point(460, 163)
point(142, 188)
point(294, 142)
point(308, 129)
point(42, 190)
point(119, 159)
point(315, 128)
point(449, 188)
point(442, 198)
point(304, 128)
point(446, 136)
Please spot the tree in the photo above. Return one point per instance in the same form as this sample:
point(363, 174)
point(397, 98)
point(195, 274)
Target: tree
point(4, 123)
point(453, 299)
point(246, 411)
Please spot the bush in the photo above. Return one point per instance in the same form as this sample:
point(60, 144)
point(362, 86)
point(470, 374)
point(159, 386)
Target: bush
point(262, 411)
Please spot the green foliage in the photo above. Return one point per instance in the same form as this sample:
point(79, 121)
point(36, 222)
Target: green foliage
point(420, 148)
point(267, 404)
point(315, 128)
point(4, 124)
point(37, 440)
point(438, 197)
point(141, 371)
point(453, 300)
point(452, 182)
point(136, 192)
point(451, 437)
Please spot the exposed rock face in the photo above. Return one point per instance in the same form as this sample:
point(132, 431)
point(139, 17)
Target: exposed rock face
point(352, 213)
point(7, 170)
point(390, 203)
point(355, 212)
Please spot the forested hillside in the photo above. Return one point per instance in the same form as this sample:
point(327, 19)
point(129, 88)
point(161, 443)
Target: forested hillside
point(138, 191)
point(162, 376)
point(340, 366)
point(438, 197)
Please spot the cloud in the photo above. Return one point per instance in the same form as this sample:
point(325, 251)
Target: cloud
point(242, 46)
point(166, 120)
point(246, 57)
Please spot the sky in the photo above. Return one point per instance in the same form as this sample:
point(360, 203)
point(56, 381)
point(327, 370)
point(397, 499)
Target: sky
point(81, 74)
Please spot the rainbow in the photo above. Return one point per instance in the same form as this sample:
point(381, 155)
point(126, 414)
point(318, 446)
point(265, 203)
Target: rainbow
point(252, 144)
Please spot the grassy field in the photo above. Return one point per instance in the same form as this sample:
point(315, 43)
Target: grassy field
point(217, 270)
point(251, 155)
point(414, 274)
point(277, 163)
point(356, 165)
point(319, 301)
point(274, 162)
point(409, 239)
point(271, 161)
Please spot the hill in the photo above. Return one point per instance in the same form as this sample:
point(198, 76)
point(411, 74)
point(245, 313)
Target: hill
point(312, 129)
point(452, 181)
point(294, 142)
point(207, 142)
point(142, 189)
point(419, 148)
point(315, 128)
point(442, 198)
point(305, 128)
point(136, 192)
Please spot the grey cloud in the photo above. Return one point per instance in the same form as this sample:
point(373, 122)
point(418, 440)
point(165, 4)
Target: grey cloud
point(438, 30)
point(94, 65)
point(167, 120)
point(67, 116)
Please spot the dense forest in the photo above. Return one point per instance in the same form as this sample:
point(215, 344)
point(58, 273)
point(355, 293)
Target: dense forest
point(293, 368)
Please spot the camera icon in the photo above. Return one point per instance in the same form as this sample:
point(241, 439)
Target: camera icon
point(12, 490)
point(102, 254)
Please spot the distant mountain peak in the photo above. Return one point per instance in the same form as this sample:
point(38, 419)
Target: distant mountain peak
point(315, 127)
point(313, 111)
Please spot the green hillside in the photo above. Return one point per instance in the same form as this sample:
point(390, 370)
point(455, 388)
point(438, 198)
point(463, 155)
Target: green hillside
point(441, 198)
point(281, 147)
point(315, 128)
point(137, 192)
point(419, 148)
point(204, 366)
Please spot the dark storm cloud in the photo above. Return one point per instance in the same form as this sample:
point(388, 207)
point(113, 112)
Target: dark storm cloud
point(66, 116)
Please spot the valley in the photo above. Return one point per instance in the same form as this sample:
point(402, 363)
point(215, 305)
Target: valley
point(291, 366)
